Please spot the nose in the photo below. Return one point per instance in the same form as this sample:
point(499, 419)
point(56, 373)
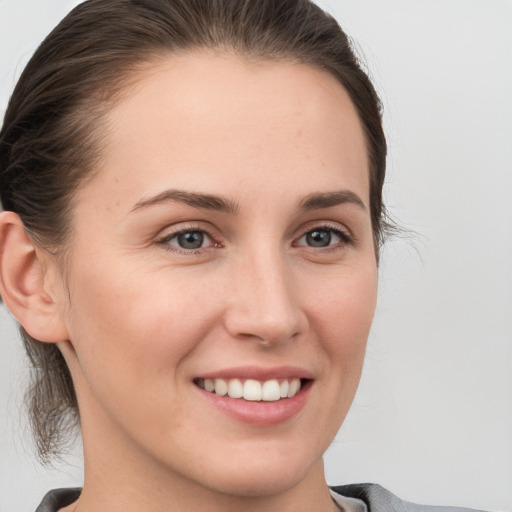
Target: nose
point(264, 304)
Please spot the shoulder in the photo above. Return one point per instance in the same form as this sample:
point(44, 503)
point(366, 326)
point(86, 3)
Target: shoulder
point(58, 498)
point(378, 499)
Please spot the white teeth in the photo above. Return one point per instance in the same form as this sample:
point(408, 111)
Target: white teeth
point(221, 388)
point(294, 387)
point(270, 391)
point(252, 390)
point(235, 389)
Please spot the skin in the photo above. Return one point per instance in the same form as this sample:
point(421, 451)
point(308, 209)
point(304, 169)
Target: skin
point(138, 317)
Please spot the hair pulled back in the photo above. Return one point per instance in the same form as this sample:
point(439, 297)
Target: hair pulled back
point(52, 132)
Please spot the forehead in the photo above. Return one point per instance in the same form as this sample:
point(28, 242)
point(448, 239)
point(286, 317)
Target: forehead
point(219, 114)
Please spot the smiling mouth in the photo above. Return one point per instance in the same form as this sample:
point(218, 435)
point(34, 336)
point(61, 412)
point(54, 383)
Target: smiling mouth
point(253, 390)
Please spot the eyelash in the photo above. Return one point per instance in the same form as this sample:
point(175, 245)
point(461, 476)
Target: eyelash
point(165, 240)
point(345, 239)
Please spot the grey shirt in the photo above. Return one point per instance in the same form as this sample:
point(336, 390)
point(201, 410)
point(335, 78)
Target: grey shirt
point(349, 498)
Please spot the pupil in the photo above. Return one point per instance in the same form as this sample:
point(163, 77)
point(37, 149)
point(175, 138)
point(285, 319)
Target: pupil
point(319, 238)
point(191, 240)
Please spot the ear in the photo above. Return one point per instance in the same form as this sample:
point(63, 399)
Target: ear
point(28, 286)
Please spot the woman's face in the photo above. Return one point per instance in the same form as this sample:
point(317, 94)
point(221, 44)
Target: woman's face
point(225, 241)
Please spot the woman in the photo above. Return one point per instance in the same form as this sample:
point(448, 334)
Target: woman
point(192, 197)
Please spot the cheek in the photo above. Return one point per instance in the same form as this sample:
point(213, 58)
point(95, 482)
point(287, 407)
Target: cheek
point(342, 317)
point(343, 309)
point(137, 327)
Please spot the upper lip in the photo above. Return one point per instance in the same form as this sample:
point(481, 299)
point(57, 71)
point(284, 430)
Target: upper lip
point(259, 373)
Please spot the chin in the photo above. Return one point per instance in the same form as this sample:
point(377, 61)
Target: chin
point(259, 483)
point(263, 476)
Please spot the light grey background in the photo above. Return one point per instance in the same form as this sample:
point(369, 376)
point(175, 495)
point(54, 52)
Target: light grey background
point(432, 420)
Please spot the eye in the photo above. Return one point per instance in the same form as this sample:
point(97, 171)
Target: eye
point(187, 240)
point(324, 236)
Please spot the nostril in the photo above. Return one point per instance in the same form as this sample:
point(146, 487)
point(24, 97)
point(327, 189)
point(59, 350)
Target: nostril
point(268, 331)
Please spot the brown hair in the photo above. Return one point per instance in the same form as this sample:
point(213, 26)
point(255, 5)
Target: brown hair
point(50, 140)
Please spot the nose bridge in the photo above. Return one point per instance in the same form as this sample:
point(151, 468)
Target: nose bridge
point(264, 304)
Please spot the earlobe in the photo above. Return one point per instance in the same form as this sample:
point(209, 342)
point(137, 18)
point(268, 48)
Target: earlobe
point(24, 282)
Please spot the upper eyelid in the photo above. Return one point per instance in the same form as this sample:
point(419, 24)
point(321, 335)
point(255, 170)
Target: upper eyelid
point(184, 227)
point(327, 225)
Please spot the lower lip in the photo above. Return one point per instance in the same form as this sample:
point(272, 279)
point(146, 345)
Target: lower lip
point(259, 413)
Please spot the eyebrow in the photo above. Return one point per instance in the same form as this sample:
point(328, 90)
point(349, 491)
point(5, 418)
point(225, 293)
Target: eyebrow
point(315, 201)
point(201, 201)
point(329, 199)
